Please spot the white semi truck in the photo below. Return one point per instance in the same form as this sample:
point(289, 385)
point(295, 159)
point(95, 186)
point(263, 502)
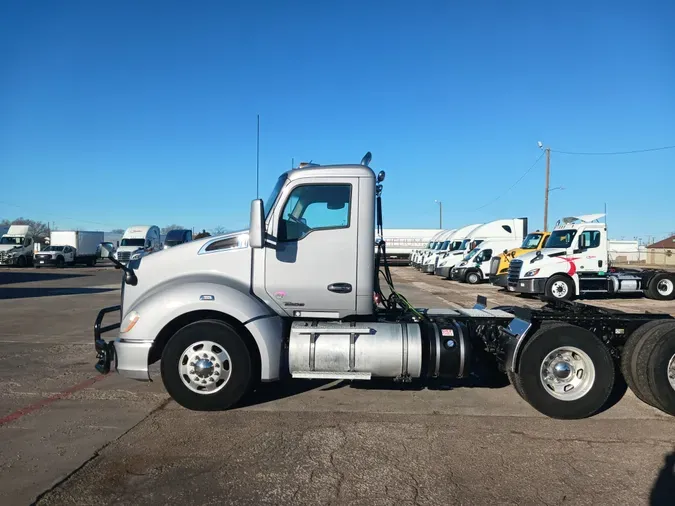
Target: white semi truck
point(70, 247)
point(575, 262)
point(459, 242)
point(505, 229)
point(442, 242)
point(403, 242)
point(297, 295)
point(16, 246)
point(419, 255)
point(138, 241)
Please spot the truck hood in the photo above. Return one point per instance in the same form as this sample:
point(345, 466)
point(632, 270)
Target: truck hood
point(224, 259)
point(452, 259)
point(9, 247)
point(546, 252)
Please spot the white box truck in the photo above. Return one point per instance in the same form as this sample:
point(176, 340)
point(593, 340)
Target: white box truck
point(70, 247)
point(16, 246)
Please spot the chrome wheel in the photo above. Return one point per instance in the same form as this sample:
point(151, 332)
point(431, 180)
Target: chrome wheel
point(665, 287)
point(671, 372)
point(205, 367)
point(567, 373)
point(560, 289)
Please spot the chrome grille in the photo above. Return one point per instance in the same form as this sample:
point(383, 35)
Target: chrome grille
point(514, 271)
point(124, 256)
point(494, 264)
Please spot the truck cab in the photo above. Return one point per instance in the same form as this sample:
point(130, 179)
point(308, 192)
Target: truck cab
point(16, 246)
point(177, 237)
point(475, 266)
point(421, 254)
point(443, 245)
point(138, 241)
point(574, 260)
point(457, 248)
point(499, 265)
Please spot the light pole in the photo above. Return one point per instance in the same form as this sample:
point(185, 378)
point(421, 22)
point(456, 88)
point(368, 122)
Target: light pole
point(440, 214)
point(546, 191)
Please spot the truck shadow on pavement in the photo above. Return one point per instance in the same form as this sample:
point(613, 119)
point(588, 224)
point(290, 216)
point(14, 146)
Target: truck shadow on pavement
point(663, 490)
point(27, 293)
point(10, 277)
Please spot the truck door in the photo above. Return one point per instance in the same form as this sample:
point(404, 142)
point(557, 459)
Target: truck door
point(311, 270)
point(591, 252)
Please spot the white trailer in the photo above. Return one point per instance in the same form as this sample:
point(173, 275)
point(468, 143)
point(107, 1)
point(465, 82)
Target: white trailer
point(403, 242)
point(70, 247)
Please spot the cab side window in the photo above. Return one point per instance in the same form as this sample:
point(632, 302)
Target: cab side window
point(485, 255)
point(589, 239)
point(314, 207)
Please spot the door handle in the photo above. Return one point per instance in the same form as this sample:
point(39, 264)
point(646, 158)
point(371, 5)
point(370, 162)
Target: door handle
point(340, 287)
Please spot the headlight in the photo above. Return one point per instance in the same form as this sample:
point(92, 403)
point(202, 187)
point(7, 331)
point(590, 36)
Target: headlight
point(533, 272)
point(136, 256)
point(129, 321)
point(11, 255)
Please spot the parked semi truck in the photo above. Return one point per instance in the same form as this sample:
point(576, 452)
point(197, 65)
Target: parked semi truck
point(137, 242)
point(507, 229)
point(177, 237)
point(70, 247)
point(16, 246)
point(419, 256)
point(442, 244)
point(575, 262)
point(298, 295)
point(499, 265)
point(403, 242)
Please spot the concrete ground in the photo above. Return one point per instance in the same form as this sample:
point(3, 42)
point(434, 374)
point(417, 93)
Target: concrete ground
point(70, 436)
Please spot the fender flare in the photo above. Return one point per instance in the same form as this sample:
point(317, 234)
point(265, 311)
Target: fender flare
point(174, 302)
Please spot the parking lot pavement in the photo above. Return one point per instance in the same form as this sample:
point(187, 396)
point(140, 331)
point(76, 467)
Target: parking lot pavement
point(116, 441)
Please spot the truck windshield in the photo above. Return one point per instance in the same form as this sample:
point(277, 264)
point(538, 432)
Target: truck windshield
point(472, 254)
point(455, 245)
point(561, 239)
point(445, 245)
point(132, 242)
point(531, 241)
point(12, 240)
point(172, 243)
point(269, 203)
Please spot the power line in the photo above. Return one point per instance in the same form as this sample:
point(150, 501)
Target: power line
point(607, 153)
point(514, 184)
point(61, 217)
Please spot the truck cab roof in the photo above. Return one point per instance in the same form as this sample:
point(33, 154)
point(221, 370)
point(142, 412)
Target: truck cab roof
point(350, 170)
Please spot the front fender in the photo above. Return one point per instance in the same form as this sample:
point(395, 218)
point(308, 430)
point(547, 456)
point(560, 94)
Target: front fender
point(157, 310)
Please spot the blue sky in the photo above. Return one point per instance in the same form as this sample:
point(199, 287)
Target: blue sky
point(121, 113)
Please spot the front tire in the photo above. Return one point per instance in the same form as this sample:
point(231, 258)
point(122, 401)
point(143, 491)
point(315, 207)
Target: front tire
point(206, 366)
point(560, 288)
point(60, 263)
point(473, 277)
point(21, 261)
point(565, 372)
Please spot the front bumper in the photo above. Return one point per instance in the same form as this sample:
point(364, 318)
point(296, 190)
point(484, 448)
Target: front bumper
point(44, 261)
point(458, 274)
point(498, 279)
point(8, 260)
point(130, 357)
point(442, 271)
point(428, 268)
point(532, 285)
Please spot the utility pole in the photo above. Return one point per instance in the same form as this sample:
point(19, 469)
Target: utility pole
point(548, 175)
point(440, 213)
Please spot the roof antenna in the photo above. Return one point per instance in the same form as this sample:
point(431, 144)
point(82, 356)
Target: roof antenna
point(366, 159)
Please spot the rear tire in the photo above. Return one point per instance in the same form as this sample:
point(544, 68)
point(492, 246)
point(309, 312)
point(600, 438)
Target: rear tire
point(661, 372)
point(513, 379)
point(184, 386)
point(629, 355)
point(565, 372)
point(662, 287)
point(560, 288)
point(639, 362)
